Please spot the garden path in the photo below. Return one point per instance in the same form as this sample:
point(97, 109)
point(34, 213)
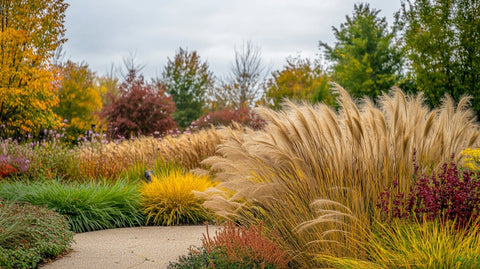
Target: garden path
point(136, 248)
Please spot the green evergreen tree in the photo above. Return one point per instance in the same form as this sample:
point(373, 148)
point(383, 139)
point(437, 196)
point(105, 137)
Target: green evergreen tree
point(187, 80)
point(365, 58)
point(441, 40)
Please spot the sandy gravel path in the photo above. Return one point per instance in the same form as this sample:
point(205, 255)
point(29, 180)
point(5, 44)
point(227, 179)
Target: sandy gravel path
point(138, 247)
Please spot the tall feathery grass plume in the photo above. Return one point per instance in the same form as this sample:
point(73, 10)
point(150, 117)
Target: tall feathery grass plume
point(314, 174)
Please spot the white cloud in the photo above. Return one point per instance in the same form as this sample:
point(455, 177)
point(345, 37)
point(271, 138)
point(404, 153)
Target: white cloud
point(103, 32)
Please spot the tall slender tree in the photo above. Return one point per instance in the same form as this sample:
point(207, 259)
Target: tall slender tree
point(365, 58)
point(187, 80)
point(243, 86)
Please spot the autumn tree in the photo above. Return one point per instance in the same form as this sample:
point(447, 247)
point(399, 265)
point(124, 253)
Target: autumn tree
point(243, 85)
point(138, 109)
point(107, 85)
point(187, 80)
point(80, 99)
point(30, 31)
point(441, 40)
point(365, 58)
point(300, 79)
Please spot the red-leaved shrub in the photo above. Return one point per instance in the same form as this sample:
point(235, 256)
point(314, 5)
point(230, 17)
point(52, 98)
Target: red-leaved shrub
point(139, 109)
point(236, 244)
point(6, 170)
point(225, 117)
point(448, 194)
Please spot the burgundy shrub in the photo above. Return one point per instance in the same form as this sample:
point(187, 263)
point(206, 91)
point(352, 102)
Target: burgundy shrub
point(139, 109)
point(225, 117)
point(448, 194)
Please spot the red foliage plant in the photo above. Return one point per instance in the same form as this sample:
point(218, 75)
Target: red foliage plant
point(449, 194)
point(238, 244)
point(6, 170)
point(225, 117)
point(139, 109)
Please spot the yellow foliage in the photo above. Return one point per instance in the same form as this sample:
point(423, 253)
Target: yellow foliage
point(417, 245)
point(30, 31)
point(300, 80)
point(168, 199)
point(472, 158)
point(80, 100)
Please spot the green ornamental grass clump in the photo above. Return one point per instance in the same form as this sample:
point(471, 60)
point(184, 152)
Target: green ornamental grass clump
point(87, 206)
point(29, 234)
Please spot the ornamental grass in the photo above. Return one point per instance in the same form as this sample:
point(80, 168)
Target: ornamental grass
point(87, 206)
point(168, 199)
point(109, 160)
point(314, 174)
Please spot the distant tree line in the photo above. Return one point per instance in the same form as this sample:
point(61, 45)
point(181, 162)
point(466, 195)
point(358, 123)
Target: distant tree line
point(433, 47)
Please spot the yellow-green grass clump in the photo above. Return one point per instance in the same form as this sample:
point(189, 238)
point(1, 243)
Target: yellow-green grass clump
point(417, 245)
point(314, 174)
point(168, 199)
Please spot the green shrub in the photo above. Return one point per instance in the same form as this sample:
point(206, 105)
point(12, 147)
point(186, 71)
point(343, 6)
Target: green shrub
point(30, 233)
point(87, 206)
point(195, 259)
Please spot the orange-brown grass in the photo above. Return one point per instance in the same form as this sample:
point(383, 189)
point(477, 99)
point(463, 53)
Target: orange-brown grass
point(249, 247)
point(314, 174)
point(110, 160)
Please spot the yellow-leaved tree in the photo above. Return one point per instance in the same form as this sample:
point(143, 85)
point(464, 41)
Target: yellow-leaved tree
point(30, 32)
point(300, 80)
point(80, 98)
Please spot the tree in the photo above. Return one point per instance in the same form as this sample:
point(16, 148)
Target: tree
point(187, 80)
point(30, 31)
point(243, 86)
point(366, 61)
point(107, 85)
point(80, 99)
point(138, 109)
point(300, 79)
point(441, 40)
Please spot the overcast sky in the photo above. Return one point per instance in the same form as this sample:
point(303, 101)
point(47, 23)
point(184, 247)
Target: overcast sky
point(103, 32)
